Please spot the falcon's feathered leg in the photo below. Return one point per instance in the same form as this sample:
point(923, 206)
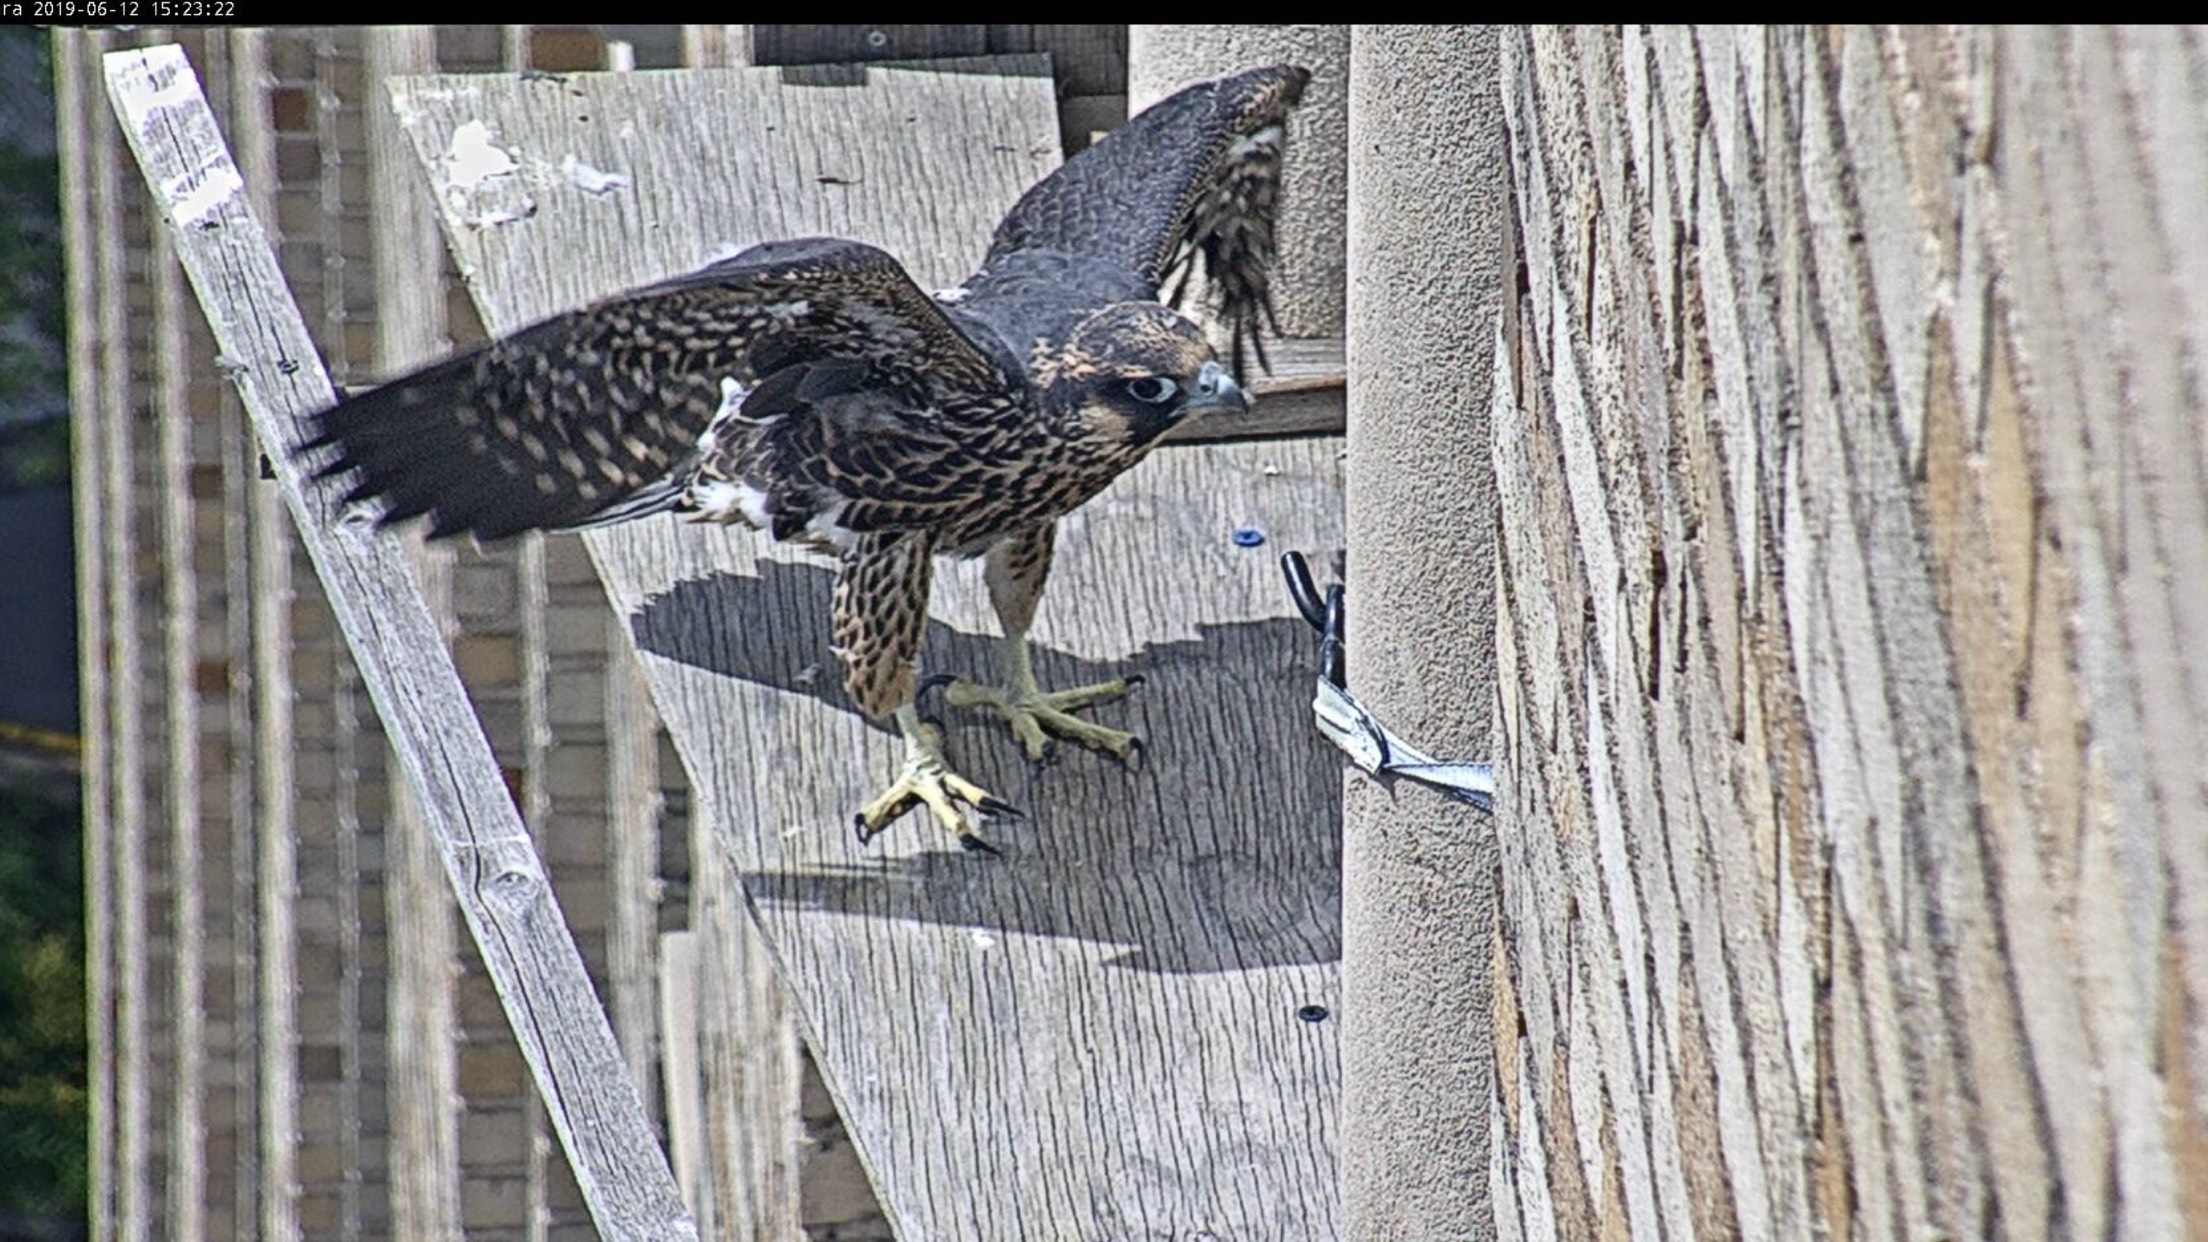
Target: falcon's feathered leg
point(1016, 571)
point(881, 613)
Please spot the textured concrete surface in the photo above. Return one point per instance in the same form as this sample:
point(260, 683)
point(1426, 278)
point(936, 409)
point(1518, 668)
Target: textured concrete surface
point(1426, 227)
point(1315, 181)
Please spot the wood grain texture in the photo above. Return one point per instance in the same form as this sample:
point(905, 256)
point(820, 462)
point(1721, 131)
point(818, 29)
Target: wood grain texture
point(88, 187)
point(425, 1174)
point(1097, 1036)
point(135, 1201)
point(493, 867)
point(269, 560)
point(1301, 396)
point(1854, 636)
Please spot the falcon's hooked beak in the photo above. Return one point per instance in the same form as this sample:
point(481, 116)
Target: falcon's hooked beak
point(1215, 393)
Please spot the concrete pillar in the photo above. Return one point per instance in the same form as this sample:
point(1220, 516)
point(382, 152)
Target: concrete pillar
point(1420, 874)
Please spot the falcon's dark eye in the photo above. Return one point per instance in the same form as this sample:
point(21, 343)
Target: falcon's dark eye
point(1152, 389)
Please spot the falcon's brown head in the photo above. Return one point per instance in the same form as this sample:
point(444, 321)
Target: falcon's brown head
point(1131, 372)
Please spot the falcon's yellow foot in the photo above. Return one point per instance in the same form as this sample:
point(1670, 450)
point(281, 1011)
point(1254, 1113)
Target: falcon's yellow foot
point(1035, 714)
point(928, 779)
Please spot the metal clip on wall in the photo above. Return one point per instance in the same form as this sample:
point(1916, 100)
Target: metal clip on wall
point(1346, 723)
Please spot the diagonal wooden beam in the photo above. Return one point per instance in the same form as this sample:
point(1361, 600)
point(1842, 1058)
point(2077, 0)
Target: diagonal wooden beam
point(496, 874)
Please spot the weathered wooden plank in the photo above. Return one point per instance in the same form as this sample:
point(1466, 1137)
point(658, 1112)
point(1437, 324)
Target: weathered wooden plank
point(215, 1129)
point(713, 47)
point(1124, 1046)
point(680, 1076)
point(110, 403)
point(1301, 396)
point(269, 569)
point(171, 497)
point(758, 1174)
point(1852, 641)
point(409, 323)
point(344, 1149)
point(86, 192)
point(494, 869)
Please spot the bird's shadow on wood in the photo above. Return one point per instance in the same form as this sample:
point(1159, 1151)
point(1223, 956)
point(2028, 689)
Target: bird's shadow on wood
point(1221, 853)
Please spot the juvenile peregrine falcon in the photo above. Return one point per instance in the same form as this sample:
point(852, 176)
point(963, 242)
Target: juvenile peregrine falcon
point(811, 390)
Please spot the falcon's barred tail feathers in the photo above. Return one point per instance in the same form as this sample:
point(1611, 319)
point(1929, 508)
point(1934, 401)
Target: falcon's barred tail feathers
point(810, 389)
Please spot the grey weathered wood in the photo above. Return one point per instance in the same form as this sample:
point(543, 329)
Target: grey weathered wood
point(187, 1174)
point(130, 1197)
point(1301, 396)
point(426, 1190)
point(714, 47)
point(1854, 644)
point(494, 869)
point(680, 1076)
point(87, 190)
point(1109, 1015)
point(269, 568)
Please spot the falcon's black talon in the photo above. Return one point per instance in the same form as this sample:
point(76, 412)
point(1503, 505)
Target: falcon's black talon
point(992, 805)
point(975, 845)
point(1132, 680)
point(866, 834)
point(933, 681)
point(1050, 750)
point(1138, 755)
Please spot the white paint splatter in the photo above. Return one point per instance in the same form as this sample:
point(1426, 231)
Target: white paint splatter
point(160, 79)
point(952, 297)
point(196, 195)
point(473, 158)
point(494, 218)
point(983, 940)
point(807, 675)
point(591, 180)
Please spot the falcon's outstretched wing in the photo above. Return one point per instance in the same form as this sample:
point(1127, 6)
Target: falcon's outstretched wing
point(596, 414)
point(1196, 174)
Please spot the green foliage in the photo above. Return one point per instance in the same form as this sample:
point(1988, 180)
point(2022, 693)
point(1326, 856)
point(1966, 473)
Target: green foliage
point(34, 454)
point(33, 298)
point(43, 1111)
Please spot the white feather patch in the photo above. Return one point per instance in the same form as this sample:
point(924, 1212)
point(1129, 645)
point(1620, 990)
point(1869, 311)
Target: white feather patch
point(1265, 141)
